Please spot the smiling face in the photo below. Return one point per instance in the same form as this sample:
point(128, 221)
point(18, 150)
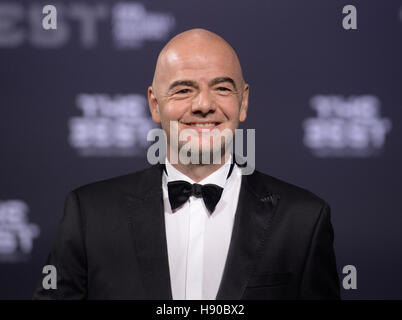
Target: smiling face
point(198, 83)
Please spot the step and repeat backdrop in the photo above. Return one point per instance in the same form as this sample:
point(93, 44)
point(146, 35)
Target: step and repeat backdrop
point(325, 99)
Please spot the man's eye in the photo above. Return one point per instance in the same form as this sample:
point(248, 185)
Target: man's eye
point(223, 89)
point(183, 91)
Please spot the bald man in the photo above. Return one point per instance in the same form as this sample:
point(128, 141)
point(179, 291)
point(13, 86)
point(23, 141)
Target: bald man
point(199, 229)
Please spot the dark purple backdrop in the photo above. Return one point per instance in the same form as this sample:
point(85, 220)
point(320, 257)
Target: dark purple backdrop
point(290, 52)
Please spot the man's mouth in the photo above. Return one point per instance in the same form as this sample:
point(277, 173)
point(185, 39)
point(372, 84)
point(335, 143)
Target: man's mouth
point(202, 124)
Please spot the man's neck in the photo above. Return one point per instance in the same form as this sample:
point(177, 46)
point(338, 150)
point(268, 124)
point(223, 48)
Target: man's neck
point(198, 172)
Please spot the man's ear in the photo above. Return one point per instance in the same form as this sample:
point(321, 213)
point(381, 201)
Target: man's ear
point(244, 103)
point(153, 105)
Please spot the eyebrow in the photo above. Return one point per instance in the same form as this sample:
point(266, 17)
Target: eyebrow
point(187, 83)
point(191, 83)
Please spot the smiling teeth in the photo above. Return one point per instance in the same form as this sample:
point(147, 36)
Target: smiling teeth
point(209, 124)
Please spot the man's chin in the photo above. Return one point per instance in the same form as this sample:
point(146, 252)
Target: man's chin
point(203, 155)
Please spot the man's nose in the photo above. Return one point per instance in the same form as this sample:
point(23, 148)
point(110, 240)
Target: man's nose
point(204, 103)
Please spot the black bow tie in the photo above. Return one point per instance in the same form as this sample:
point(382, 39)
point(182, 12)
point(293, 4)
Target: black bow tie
point(179, 192)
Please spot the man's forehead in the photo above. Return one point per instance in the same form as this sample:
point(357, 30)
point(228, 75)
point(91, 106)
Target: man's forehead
point(196, 53)
point(198, 65)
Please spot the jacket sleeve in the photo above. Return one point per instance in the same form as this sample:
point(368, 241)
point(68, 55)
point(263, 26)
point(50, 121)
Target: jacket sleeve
point(68, 256)
point(320, 277)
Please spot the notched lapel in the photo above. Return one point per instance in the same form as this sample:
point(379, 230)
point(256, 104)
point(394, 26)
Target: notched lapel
point(255, 210)
point(147, 225)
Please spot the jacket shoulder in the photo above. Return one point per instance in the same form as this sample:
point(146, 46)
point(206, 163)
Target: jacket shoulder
point(139, 182)
point(294, 193)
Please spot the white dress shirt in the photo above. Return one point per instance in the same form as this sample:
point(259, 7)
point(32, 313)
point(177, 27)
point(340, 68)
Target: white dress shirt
point(198, 241)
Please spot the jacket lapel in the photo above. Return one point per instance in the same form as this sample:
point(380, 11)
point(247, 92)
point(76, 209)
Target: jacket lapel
point(255, 210)
point(147, 223)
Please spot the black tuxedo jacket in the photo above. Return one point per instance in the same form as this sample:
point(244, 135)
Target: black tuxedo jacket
point(112, 243)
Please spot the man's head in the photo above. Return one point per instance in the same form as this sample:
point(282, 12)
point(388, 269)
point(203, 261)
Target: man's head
point(198, 82)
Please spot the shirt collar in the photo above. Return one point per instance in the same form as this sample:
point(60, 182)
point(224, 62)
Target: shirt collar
point(218, 177)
